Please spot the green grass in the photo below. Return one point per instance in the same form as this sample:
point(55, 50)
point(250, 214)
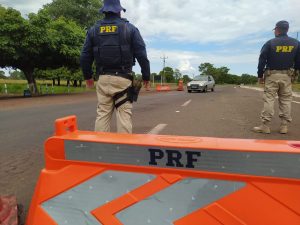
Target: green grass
point(296, 87)
point(17, 87)
point(49, 82)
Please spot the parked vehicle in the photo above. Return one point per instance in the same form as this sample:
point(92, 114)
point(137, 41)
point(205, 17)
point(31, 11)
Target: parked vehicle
point(201, 83)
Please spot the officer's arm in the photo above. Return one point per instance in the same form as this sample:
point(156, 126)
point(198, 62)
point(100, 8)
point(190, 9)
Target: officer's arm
point(140, 53)
point(297, 61)
point(87, 57)
point(263, 59)
point(297, 65)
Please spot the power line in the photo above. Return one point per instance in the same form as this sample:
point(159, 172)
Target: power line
point(164, 65)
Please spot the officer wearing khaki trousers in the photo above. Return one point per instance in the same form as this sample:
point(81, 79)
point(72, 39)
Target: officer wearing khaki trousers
point(279, 63)
point(114, 44)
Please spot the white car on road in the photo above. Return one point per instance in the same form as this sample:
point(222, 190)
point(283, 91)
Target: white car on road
point(201, 83)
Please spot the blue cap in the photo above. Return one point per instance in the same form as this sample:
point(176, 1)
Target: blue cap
point(282, 25)
point(112, 6)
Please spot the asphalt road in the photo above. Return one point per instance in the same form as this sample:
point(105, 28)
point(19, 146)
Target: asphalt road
point(229, 112)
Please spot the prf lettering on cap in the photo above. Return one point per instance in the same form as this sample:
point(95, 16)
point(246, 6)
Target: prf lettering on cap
point(284, 48)
point(109, 29)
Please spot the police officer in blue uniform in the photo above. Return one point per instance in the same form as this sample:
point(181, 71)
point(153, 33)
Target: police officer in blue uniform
point(279, 64)
point(114, 44)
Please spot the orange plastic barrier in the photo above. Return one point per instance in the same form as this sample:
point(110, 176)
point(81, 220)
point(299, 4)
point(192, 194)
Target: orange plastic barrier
point(114, 179)
point(180, 86)
point(163, 88)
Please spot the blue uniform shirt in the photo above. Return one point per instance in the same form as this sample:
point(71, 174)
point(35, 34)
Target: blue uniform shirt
point(279, 53)
point(138, 47)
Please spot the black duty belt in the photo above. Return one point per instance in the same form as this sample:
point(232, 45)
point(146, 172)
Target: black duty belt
point(280, 71)
point(118, 74)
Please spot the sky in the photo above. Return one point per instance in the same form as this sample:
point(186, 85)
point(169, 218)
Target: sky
point(190, 32)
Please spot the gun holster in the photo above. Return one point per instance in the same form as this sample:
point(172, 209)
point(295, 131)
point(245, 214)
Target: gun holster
point(135, 90)
point(130, 94)
point(296, 74)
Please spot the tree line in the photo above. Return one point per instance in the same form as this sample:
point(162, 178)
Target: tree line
point(221, 75)
point(48, 41)
point(47, 45)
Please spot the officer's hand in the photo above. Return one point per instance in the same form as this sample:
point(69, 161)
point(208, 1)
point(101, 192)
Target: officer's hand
point(90, 83)
point(261, 80)
point(295, 76)
point(146, 85)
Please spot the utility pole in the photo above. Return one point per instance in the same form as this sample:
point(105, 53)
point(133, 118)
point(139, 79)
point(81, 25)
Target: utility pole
point(164, 64)
point(153, 80)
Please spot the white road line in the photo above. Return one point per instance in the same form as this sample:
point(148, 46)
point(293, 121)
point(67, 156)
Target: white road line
point(157, 129)
point(186, 103)
point(295, 94)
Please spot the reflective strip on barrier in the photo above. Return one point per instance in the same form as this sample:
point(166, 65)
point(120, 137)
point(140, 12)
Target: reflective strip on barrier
point(75, 205)
point(270, 164)
point(177, 201)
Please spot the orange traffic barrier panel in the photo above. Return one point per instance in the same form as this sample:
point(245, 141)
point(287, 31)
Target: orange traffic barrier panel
point(163, 87)
point(135, 179)
point(180, 86)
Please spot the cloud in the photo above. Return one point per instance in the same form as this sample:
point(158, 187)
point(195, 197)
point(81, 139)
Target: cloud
point(224, 32)
point(209, 21)
point(25, 7)
point(188, 61)
point(197, 21)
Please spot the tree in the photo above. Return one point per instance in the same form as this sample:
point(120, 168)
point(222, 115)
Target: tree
point(50, 74)
point(138, 76)
point(84, 12)
point(157, 77)
point(167, 74)
point(220, 75)
point(177, 75)
point(2, 75)
point(17, 75)
point(206, 69)
point(186, 79)
point(152, 77)
point(38, 43)
point(248, 79)
point(233, 79)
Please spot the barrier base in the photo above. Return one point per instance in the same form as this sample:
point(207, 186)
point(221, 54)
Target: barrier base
point(117, 179)
point(163, 88)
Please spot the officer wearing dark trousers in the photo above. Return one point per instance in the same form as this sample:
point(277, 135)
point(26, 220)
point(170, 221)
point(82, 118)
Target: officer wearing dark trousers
point(279, 64)
point(114, 44)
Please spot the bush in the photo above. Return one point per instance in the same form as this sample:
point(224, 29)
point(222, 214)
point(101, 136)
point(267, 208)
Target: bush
point(16, 88)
